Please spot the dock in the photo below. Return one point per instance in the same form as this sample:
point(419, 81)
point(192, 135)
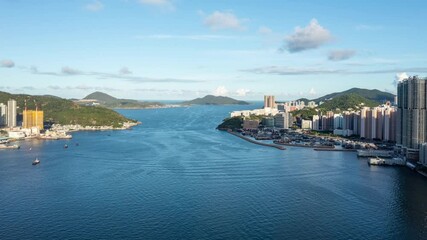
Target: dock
point(257, 142)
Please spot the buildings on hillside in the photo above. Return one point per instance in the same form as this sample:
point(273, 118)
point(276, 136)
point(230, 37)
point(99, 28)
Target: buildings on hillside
point(369, 123)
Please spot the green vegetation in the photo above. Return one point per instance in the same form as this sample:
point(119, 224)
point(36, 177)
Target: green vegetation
point(233, 123)
point(108, 101)
point(215, 100)
point(62, 111)
point(344, 102)
point(305, 113)
point(373, 95)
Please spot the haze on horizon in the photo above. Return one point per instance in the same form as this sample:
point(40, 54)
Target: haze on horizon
point(181, 49)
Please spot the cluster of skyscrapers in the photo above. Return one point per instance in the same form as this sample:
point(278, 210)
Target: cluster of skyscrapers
point(377, 123)
point(8, 114)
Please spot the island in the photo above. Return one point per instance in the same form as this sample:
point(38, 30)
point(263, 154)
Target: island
point(214, 100)
point(108, 101)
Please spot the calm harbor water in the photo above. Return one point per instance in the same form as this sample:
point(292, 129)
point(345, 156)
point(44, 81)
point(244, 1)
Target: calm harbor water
point(176, 177)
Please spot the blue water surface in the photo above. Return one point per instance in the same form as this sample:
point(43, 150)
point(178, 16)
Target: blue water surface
point(176, 177)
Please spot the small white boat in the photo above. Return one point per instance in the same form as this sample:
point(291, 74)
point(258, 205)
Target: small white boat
point(36, 161)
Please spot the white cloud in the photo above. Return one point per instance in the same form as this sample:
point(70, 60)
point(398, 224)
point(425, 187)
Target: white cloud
point(312, 91)
point(166, 4)
point(224, 20)
point(340, 55)
point(7, 63)
point(125, 71)
point(400, 77)
point(264, 30)
point(220, 91)
point(242, 92)
point(94, 6)
point(310, 37)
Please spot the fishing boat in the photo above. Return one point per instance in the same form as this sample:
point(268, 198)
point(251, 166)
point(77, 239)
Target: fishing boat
point(36, 161)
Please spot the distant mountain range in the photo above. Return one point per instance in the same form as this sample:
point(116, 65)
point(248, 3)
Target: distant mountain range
point(111, 102)
point(215, 100)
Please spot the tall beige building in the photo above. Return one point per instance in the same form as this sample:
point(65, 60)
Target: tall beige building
point(269, 102)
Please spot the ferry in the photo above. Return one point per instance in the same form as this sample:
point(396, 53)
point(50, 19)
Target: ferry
point(37, 161)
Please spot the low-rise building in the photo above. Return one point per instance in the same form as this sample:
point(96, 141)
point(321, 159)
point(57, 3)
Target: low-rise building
point(250, 124)
point(306, 124)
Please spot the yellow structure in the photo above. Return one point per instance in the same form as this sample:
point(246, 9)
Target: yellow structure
point(33, 119)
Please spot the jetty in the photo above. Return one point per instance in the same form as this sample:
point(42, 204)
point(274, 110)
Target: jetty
point(257, 142)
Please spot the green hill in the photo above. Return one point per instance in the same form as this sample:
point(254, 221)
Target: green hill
point(232, 123)
point(112, 102)
point(63, 111)
point(344, 102)
point(373, 95)
point(215, 100)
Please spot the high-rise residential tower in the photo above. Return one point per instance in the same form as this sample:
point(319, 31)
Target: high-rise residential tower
point(3, 115)
point(411, 129)
point(269, 102)
point(411, 112)
point(11, 113)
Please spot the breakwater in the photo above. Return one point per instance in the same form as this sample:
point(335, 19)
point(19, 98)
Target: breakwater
point(257, 142)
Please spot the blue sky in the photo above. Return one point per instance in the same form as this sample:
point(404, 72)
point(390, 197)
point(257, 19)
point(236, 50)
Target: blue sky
point(181, 49)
